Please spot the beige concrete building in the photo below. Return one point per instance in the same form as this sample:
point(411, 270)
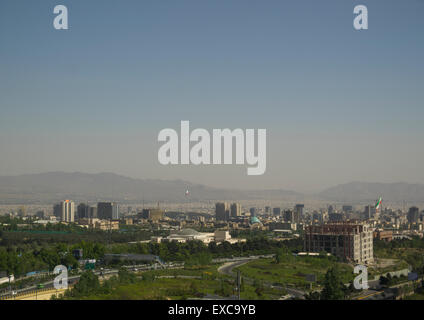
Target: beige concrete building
point(153, 214)
point(351, 241)
point(95, 223)
point(235, 210)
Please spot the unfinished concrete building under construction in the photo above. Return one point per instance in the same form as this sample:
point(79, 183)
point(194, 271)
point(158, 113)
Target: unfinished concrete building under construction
point(351, 241)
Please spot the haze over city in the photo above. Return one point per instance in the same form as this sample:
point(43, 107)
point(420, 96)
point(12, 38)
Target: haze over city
point(339, 105)
point(211, 158)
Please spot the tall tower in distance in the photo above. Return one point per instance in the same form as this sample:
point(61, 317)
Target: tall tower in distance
point(67, 211)
point(235, 210)
point(222, 211)
point(298, 212)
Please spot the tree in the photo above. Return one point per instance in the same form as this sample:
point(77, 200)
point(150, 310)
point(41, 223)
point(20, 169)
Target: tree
point(259, 287)
point(333, 286)
point(126, 277)
point(384, 281)
point(389, 279)
point(282, 254)
point(194, 289)
point(87, 284)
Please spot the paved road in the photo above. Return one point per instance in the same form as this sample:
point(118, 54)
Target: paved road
point(228, 267)
point(49, 284)
point(296, 292)
point(42, 295)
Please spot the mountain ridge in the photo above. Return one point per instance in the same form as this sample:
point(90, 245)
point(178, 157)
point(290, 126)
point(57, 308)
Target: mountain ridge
point(107, 186)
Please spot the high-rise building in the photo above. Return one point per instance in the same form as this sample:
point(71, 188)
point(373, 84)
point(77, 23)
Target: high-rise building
point(316, 216)
point(40, 214)
point(413, 215)
point(369, 212)
point(252, 212)
point(349, 240)
point(235, 210)
point(108, 211)
point(82, 211)
point(57, 210)
point(298, 211)
point(335, 216)
point(22, 212)
point(222, 211)
point(92, 212)
point(347, 209)
point(276, 211)
point(288, 215)
point(267, 210)
point(65, 211)
point(115, 211)
point(105, 210)
point(292, 216)
point(296, 216)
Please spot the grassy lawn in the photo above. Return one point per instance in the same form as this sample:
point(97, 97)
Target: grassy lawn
point(181, 289)
point(397, 265)
point(402, 258)
point(292, 271)
point(415, 296)
point(160, 289)
point(206, 281)
point(203, 271)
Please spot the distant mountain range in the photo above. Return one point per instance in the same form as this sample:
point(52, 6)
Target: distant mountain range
point(365, 191)
point(55, 186)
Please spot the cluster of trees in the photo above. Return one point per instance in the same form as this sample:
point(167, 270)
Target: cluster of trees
point(8, 223)
point(11, 234)
point(390, 281)
point(89, 285)
point(23, 252)
point(10, 238)
point(197, 250)
point(283, 254)
point(199, 259)
point(334, 288)
point(414, 242)
point(414, 256)
point(19, 260)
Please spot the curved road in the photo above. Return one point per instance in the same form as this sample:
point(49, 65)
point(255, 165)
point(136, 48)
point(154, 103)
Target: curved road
point(227, 268)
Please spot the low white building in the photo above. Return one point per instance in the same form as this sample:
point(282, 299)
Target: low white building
point(188, 234)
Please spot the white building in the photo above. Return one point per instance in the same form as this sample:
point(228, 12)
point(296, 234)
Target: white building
point(67, 211)
point(188, 234)
point(115, 211)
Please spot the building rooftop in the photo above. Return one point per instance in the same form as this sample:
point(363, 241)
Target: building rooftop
point(187, 232)
point(254, 220)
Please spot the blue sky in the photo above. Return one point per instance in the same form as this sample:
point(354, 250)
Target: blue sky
point(327, 94)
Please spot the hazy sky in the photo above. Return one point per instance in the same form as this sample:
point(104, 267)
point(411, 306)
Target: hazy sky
point(339, 104)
